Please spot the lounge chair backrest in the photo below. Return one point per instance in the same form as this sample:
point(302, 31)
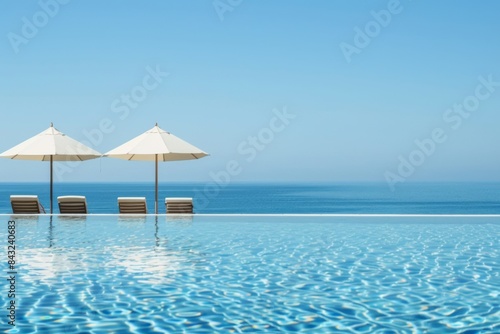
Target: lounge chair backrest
point(132, 205)
point(179, 205)
point(72, 204)
point(26, 204)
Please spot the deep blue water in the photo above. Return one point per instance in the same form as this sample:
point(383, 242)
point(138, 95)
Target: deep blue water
point(418, 198)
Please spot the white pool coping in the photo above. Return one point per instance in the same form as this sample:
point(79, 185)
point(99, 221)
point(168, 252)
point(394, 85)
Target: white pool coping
point(256, 215)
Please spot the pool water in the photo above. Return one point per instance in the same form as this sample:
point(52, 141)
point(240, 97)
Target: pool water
point(206, 274)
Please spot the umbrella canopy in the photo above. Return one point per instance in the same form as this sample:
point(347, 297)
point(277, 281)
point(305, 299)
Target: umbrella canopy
point(156, 145)
point(51, 145)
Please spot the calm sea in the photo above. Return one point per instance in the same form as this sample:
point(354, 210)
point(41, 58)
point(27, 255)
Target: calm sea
point(417, 198)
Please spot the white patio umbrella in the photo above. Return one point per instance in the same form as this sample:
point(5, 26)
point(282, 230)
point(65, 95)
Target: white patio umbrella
point(51, 145)
point(156, 145)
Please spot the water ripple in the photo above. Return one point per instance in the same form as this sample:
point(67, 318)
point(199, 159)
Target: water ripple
point(246, 276)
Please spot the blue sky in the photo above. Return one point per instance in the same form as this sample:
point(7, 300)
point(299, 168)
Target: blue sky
point(232, 65)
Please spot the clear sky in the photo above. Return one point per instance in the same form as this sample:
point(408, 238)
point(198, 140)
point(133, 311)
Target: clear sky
point(360, 81)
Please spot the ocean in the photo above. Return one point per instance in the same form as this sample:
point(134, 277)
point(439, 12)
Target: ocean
point(267, 198)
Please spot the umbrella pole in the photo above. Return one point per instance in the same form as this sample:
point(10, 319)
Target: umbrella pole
point(51, 182)
point(156, 184)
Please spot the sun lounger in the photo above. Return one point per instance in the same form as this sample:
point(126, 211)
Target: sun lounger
point(132, 205)
point(72, 204)
point(179, 205)
point(26, 204)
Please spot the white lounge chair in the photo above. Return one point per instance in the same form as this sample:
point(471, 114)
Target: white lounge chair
point(179, 205)
point(72, 204)
point(132, 205)
point(26, 204)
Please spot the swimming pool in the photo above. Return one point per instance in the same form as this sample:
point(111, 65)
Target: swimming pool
point(318, 274)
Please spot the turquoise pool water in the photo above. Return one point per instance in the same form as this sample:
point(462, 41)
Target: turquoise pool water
point(212, 274)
